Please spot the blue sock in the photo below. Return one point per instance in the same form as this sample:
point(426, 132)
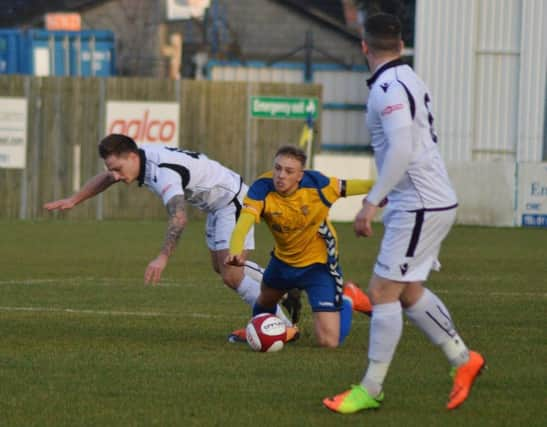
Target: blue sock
point(257, 309)
point(346, 315)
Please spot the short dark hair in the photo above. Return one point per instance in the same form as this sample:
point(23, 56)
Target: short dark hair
point(117, 144)
point(383, 32)
point(294, 152)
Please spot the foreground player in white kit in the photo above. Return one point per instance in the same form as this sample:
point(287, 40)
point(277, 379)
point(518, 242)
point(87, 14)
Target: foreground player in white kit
point(179, 176)
point(420, 212)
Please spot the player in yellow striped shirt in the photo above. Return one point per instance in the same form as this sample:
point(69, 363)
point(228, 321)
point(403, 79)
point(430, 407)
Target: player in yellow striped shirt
point(295, 204)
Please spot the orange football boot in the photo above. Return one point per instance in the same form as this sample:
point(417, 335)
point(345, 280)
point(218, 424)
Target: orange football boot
point(360, 300)
point(464, 377)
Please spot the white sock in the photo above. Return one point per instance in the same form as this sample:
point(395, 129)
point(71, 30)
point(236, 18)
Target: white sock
point(374, 378)
point(386, 328)
point(249, 290)
point(431, 316)
point(455, 351)
point(253, 270)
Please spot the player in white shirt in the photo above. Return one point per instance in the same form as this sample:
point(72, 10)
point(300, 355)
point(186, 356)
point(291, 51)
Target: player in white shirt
point(179, 177)
point(421, 209)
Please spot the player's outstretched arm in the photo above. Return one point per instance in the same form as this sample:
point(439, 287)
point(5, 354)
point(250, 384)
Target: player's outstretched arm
point(396, 162)
point(91, 188)
point(237, 242)
point(175, 227)
point(358, 186)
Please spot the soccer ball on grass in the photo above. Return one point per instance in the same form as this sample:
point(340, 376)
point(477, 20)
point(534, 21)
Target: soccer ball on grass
point(266, 333)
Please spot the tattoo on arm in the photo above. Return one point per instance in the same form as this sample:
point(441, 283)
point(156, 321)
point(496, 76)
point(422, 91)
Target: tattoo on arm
point(175, 225)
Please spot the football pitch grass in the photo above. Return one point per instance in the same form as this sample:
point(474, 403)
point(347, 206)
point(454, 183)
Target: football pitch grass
point(84, 343)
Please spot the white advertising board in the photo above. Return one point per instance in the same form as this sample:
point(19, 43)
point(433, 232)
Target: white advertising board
point(532, 195)
point(186, 9)
point(13, 133)
point(145, 122)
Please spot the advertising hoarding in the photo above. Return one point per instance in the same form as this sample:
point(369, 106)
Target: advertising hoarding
point(13, 132)
point(145, 122)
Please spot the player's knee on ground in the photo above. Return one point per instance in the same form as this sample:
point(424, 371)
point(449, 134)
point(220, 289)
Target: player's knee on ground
point(326, 338)
point(327, 341)
point(327, 328)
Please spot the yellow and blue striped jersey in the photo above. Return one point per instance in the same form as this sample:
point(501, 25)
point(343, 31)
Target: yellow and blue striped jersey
point(294, 220)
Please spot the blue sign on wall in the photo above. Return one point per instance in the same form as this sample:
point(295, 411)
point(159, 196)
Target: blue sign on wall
point(532, 194)
point(534, 220)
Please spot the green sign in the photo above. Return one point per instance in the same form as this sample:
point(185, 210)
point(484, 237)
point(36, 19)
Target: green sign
point(278, 107)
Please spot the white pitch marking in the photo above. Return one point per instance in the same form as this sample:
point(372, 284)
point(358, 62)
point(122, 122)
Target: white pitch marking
point(98, 281)
point(494, 294)
point(112, 281)
point(112, 312)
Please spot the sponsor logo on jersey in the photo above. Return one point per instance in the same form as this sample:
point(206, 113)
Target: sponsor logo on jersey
point(404, 268)
point(305, 210)
point(391, 108)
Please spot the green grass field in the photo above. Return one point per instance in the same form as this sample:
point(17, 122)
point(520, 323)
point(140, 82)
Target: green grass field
point(84, 343)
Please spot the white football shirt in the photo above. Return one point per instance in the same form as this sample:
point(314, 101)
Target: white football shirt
point(170, 171)
point(411, 172)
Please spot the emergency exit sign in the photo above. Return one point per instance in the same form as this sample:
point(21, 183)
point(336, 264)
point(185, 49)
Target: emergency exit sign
point(279, 107)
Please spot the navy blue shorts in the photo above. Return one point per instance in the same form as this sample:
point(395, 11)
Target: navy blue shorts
point(315, 279)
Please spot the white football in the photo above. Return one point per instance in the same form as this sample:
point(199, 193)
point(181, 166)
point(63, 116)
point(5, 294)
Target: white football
point(266, 333)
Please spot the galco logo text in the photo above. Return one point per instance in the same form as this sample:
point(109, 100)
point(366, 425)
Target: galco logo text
point(144, 128)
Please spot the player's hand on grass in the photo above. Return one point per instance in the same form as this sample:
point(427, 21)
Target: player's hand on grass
point(60, 205)
point(154, 269)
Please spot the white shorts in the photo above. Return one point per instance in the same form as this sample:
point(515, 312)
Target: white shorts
point(411, 243)
point(221, 223)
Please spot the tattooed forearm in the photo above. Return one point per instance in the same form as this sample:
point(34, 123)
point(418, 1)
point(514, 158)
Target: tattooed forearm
point(175, 225)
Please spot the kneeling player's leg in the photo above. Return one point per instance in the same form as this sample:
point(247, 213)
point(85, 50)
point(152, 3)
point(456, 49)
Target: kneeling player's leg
point(267, 300)
point(246, 285)
point(267, 303)
point(327, 328)
point(332, 327)
point(332, 311)
point(245, 281)
point(346, 317)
